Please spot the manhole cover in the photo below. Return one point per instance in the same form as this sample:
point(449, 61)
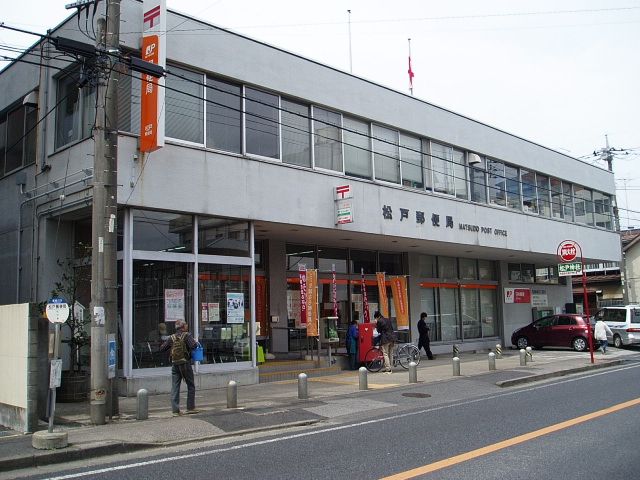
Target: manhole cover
point(416, 395)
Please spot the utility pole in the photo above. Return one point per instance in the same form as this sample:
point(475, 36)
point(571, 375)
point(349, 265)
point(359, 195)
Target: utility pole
point(103, 252)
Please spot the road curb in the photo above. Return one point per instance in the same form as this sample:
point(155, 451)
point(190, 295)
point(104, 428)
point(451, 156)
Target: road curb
point(75, 452)
point(560, 373)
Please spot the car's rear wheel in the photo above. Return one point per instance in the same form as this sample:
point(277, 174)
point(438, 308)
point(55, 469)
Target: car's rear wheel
point(522, 342)
point(617, 341)
point(579, 344)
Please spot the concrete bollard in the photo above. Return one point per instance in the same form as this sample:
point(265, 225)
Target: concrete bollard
point(232, 394)
point(529, 352)
point(303, 392)
point(456, 367)
point(498, 351)
point(523, 357)
point(455, 350)
point(413, 372)
point(142, 404)
point(492, 361)
point(363, 384)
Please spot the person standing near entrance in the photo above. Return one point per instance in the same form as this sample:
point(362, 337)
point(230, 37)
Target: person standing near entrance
point(601, 331)
point(423, 332)
point(352, 344)
point(181, 344)
point(387, 339)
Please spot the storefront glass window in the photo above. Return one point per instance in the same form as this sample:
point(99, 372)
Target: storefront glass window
point(391, 263)
point(162, 294)
point(486, 270)
point(447, 268)
point(362, 259)
point(261, 123)
point(300, 255)
point(325, 297)
point(411, 158)
point(468, 269)
point(218, 236)
point(296, 138)
point(184, 117)
point(224, 312)
point(357, 148)
point(427, 265)
point(327, 139)
point(429, 304)
point(449, 313)
point(329, 257)
point(385, 154)
point(224, 116)
point(488, 312)
point(470, 313)
point(162, 231)
point(547, 274)
point(357, 301)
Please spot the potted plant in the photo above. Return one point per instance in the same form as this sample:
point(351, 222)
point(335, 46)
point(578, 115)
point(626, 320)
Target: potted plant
point(74, 284)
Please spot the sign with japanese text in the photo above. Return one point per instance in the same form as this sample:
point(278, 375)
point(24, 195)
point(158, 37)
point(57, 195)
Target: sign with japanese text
point(173, 304)
point(382, 294)
point(569, 269)
point(57, 310)
point(303, 294)
point(153, 50)
point(312, 303)
point(235, 307)
point(365, 300)
point(568, 250)
point(517, 295)
point(400, 301)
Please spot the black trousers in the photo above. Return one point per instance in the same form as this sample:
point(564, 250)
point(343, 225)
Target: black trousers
point(424, 343)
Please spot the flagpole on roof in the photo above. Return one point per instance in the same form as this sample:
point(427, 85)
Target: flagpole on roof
point(410, 71)
point(350, 57)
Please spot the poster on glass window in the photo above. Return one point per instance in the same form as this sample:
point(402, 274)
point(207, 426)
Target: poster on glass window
point(173, 304)
point(235, 307)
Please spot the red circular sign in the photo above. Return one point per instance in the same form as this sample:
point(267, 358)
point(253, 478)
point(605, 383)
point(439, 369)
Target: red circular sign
point(568, 250)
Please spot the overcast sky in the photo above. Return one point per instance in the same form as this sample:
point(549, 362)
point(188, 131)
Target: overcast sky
point(561, 73)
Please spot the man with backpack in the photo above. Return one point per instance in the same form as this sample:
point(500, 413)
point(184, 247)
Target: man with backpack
point(181, 344)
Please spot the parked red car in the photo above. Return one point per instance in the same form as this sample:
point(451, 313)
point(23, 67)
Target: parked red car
point(562, 330)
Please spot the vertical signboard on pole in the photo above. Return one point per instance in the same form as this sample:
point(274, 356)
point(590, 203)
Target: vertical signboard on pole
point(382, 293)
point(154, 27)
point(312, 303)
point(302, 269)
point(400, 301)
point(365, 300)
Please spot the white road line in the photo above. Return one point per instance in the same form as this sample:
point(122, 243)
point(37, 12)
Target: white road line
point(328, 430)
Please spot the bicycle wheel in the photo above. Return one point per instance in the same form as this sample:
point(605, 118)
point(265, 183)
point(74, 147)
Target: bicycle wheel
point(408, 353)
point(373, 360)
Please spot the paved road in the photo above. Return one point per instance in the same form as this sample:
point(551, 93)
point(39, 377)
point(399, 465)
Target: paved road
point(379, 434)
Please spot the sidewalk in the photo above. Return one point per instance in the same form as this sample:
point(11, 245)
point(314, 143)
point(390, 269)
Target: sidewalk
point(269, 406)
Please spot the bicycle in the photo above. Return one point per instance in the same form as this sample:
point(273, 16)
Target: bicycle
point(403, 354)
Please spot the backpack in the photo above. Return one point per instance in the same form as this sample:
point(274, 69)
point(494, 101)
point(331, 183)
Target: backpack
point(179, 353)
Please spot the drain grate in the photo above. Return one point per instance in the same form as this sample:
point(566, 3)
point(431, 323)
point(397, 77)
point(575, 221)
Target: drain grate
point(416, 395)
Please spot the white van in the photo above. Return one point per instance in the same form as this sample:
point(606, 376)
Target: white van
point(624, 322)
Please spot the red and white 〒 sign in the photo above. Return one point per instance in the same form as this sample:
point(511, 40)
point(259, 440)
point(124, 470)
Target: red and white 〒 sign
point(568, 250)
point(154, 26)
point(517, 295)
point(343, 191)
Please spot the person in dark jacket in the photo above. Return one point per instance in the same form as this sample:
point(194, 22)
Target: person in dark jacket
point(423, 339)
point(181, 367)
point(387, 339)
point(352, 344)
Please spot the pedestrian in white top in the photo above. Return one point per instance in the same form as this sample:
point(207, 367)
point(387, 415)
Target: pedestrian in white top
point(601, 332)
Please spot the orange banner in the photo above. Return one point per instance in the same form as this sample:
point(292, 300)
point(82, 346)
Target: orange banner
point(400, 301)
point(382, 294)
point(312, 303)
point(149, 97)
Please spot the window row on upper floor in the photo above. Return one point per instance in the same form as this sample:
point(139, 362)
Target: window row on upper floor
point(207, 111)
point(17, 138)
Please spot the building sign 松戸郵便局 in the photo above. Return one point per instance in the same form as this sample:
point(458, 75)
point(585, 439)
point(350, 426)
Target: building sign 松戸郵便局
point(517, 295)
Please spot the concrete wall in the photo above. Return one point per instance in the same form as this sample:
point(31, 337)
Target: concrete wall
point(23, 354)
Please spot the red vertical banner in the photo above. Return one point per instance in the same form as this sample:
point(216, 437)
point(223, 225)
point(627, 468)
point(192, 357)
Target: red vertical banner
point(261, 304)
point(400, 301)
point(382, 294)
point(312, 303)
point(334, 290)
point(365, 301)
point(303, 294)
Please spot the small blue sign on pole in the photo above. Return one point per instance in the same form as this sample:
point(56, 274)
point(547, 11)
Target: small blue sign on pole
point(112, 356)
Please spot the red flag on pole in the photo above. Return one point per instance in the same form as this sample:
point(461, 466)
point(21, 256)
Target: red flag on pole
point(411, 75)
